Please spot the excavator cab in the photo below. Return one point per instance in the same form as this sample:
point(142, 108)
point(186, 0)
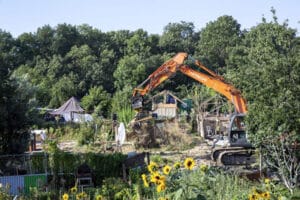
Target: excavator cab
point(238, 150)
point(237, 132)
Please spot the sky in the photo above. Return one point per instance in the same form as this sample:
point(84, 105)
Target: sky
point(20, 16)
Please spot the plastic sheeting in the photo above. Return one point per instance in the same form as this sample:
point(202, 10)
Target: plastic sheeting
point(77, 117)
point(121, 133)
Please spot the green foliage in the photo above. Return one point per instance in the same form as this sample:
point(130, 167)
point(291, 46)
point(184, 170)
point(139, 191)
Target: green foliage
point(125, 115)
point(16, 102)
point(130, 72)
point(97, 101)
point(138, 44)
point(203, 182)
point(62, 90)
point(85, 134)
point(269, 59)
point(37, 163)
point(179, 37)
point(216, 39)
point(122, 99)
point(112, 188)
point(4, 192)
point(38, 193)
point(266, 68)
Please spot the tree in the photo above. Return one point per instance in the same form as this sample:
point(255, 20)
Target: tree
point(81, 61)
point(15, 101)
point(117, 41)
point(44, 38)
point(178, 37)
point(267, 70)
point(97, 101)
point(62, 90)
point(27, 48)
point(94, 38)
point(130, 72)
point(65, 37)
point(216, 40)
point(138, 44)
point(102, 74)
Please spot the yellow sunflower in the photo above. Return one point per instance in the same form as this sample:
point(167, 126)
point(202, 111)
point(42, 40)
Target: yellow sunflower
point(253, 197)
point(84, 195)
point(177, 165)
point(160, 187)
point(266, 195)
point(157, 178)
point(78, 196)
point(65, 196)
point(189, 163)
point(163, 198)
point(99, 197)
point(203, 167)
point(144, 177)
point(81, 195)
point(267, 181)
point(166, 169)
point(73, 189)
point(152, 167)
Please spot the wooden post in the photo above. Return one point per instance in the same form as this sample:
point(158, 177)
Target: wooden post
point(260, 162)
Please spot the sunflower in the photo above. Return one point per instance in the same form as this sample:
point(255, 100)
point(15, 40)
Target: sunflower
point(84, 195)
point(266, 195)
point(189, 163)
point(177, 165)
point(81, 195)
point(203, 167)
point(253, 197)
point(73, 189)
point(160, 187)
point(65, 196)
point(163, 198)
point(152, 167)
point(157, 178)
point(99, 197)
point(267, 181)
point(78, 196)
point(144, 177)
point(166, 169)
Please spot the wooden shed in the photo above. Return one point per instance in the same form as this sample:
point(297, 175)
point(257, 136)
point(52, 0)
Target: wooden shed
point(164, 105)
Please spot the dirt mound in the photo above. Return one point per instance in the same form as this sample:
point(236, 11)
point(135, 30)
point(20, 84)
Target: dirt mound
point(154, 134)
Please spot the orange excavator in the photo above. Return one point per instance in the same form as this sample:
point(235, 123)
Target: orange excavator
point(237, 150)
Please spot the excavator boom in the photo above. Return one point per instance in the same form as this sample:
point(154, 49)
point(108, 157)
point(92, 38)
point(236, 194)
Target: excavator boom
point(211, 80)
point(230, 92)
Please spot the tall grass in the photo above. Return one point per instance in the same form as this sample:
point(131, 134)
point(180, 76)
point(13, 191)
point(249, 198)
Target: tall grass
point(125, 114)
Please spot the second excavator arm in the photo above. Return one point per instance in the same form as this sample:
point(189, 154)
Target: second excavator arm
point(211, 80)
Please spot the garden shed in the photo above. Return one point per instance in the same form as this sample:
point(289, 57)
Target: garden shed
point(164, 105)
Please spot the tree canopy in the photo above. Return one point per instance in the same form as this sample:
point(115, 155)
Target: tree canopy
point(47, 67)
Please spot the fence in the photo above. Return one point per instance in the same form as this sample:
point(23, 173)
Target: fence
point(21, 184)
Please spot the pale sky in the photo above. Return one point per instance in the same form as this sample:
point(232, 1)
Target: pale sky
point(19, 16)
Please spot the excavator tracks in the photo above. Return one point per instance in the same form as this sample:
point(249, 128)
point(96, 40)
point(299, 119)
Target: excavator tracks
point(233, 156)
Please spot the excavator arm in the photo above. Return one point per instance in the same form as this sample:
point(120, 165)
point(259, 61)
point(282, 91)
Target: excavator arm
point(211, 80)
point(164, 72)
point(220, 86)
point(238, 150)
